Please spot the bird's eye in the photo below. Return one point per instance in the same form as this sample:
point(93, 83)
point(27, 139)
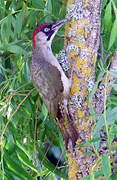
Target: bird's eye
point(46, 29)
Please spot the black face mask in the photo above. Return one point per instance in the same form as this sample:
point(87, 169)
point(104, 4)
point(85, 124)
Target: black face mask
point(49, 32)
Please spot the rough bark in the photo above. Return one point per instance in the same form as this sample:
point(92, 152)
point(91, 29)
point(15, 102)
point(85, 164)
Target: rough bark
point(81, 44)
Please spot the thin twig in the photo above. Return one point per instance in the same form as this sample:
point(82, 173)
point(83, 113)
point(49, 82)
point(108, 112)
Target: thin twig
point(25, 11)
point(35, 130)
point(5, 128)
point(105, 113)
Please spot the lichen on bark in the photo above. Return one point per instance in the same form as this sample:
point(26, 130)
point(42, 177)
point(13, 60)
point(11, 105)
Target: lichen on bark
point(88, 93)
point(82, 43)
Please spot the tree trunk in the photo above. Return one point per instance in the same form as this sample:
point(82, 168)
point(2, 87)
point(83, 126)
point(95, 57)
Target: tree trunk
point(81, 44)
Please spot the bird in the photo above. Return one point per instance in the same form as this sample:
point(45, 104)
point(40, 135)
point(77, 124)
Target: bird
point(50, 80)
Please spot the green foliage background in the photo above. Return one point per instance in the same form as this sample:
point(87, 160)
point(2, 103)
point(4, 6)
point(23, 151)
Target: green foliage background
point(25, 126)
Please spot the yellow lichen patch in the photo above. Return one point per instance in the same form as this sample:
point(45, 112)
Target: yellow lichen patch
point(80, 113)
point(77, 63)
point(70, 2)
point(73, 167)
point(79, 141)
point(85, 127)
point(84, 61)
point(83, 22)
point(73, 24)
point(84, 90)
point(72, 54)
point(86, 71)
point(81, 44)
point(74, 88)
point(80, 31)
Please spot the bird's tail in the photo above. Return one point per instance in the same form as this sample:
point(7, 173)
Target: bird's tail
point(66, 125)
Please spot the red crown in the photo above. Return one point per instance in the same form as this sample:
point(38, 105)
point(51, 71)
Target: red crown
point(37, 29)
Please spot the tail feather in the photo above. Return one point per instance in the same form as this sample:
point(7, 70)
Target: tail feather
point(67, 127)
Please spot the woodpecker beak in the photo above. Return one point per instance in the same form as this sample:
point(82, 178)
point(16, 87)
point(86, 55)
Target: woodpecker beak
point(58, 24)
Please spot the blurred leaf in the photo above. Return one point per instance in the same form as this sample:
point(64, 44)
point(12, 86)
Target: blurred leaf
point(4, 32)
point(16, 49)
point(8, 3)
point(8, 175)
point(106, 167)
point(52, 176)
point(25, 160)
point(48, 11)
point(108, 17)
point(60, 10)
point(53, 136)
point(27, 72)
point(44, 111)
point(19, 23)
point(114, 8)
point(9, 26)
point(111, 116)
point(20, 146)
point(10, 144)
point(49, 6)
point(104, 2)
point(38, 3)
point(96, 175)
point(114, 74)
point(114, 176)
point(16, 168)
point(114, 86)
point(113, 35)
point(14, 27)
point(112, 132)
point(93, 113)
point(49, 165)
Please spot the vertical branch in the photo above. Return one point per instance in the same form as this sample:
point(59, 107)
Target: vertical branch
point(35, 130)
point(99, 95)
point(82, 42)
